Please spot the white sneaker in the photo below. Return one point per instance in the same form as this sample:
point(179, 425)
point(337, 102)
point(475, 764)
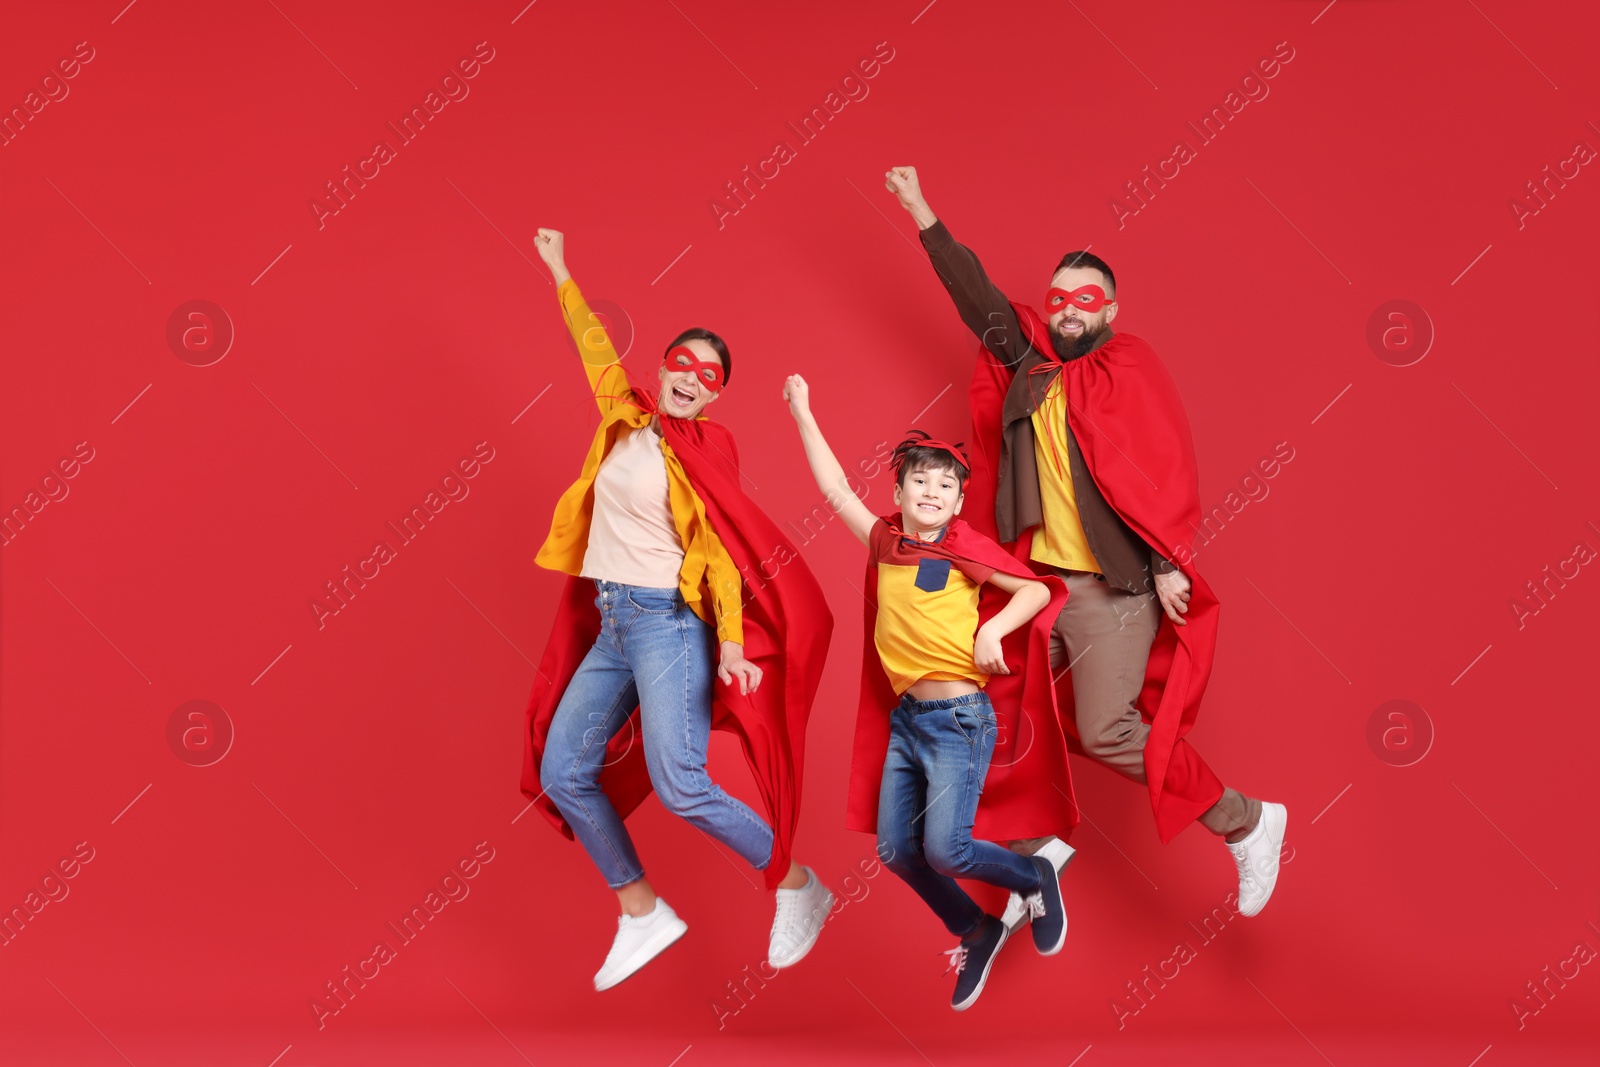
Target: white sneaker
point(1257, 858)
point(798, 922)
point(1059, 853)
point(640, 939)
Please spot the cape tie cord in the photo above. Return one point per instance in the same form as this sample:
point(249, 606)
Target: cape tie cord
point(1049, 426)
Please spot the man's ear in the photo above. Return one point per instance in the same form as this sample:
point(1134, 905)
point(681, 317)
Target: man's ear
point(1111, 312)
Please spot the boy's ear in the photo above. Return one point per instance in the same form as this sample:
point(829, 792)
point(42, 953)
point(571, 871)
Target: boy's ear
point(962, 499)
point(897, 494)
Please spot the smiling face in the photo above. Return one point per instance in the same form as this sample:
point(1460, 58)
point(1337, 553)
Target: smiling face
point(1074, 329)
point(928, 498)
point(685, 392)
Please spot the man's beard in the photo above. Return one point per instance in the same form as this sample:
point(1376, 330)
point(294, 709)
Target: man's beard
point(1070, 348)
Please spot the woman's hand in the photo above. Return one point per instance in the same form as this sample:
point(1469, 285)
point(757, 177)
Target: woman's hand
point(986, 653)
point(798, 394)
point(552, 246)
point(734, 665)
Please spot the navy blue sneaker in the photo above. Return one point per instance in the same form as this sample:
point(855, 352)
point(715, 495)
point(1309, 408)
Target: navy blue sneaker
point(973, 957)
point(1047, 910)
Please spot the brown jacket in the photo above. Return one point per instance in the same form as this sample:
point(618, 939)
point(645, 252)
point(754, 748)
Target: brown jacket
point(1126, 561)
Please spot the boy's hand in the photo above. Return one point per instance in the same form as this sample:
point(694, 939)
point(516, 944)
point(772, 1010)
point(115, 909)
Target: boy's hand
point(798, 394)
point(734, 665)
point(552, 248)
point(986, 652)
point(1173, 590)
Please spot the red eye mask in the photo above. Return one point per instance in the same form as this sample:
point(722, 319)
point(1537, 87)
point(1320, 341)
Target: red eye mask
point(1086, 298)
point(682, 358)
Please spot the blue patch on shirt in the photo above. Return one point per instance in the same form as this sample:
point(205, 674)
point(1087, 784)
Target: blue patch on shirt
point(932, 574)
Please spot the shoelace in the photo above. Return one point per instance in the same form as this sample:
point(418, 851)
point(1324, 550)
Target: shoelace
point(1035, 905)
point(958, 959)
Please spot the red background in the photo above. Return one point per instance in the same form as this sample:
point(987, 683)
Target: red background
point(374, 352)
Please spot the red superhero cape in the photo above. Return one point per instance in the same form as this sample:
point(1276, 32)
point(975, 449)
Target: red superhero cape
point(1130, 424)
point(1028, 791)
point(787, 625)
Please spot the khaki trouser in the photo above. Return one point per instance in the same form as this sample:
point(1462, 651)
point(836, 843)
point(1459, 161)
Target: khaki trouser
point(1105, 634)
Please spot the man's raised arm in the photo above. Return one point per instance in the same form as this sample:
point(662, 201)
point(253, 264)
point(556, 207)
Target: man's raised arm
point(982, 306)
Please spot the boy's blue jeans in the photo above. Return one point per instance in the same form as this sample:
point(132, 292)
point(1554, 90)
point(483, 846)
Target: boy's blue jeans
point(939, 753)
point(653, 653)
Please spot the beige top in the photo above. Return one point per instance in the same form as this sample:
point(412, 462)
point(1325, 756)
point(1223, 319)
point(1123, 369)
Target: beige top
point(632, 537)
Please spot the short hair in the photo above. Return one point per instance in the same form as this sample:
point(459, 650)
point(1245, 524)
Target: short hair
point(700, 333)
point(1087, 259)
point(911, 455)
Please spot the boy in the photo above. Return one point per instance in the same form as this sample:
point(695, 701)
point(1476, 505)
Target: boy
point(928, 569)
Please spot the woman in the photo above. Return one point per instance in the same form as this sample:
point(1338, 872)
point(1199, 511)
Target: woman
point(661, 530)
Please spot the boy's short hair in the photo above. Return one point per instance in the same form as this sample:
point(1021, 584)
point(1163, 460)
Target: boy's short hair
point(919, 452)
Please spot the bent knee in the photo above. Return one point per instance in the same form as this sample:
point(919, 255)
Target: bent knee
point(951, 858)
point(1117, 739)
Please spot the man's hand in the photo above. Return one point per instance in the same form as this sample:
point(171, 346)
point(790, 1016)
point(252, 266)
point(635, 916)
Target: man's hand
point(798, 394)
point(734, 665)
point(986, 653)
point(552, 246)
point(903, 183)
point(1173, 590)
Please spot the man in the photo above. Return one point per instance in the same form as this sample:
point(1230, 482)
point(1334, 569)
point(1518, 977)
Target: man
point(1087, 450)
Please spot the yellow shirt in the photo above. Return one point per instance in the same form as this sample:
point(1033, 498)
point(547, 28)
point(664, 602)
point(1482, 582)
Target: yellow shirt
point(1059, 540)
point(706, 563)
point(927, 613)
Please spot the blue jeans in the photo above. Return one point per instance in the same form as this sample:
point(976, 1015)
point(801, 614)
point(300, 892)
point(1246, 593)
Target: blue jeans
point(653, 653)
point(939, 753)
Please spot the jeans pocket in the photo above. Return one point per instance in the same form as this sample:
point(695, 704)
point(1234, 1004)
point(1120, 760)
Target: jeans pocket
point(653, 601)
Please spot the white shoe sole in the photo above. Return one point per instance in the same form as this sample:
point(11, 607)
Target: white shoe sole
point(824, 910)
point(1279, 815)
point(653, 947)
point(972, 998)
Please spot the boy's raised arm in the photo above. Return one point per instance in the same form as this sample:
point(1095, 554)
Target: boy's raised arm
point(825, 466)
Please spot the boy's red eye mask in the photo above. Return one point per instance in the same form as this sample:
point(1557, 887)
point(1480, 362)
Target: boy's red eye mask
point(1089, 298)
point(682, 358)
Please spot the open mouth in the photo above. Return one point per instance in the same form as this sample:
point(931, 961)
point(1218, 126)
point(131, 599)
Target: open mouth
point(683, 396)
point(929, 507)
point(1071, 326)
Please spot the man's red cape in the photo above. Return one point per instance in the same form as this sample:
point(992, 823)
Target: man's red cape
point(1130, 424)
point(787, 626)
point(1028, 791)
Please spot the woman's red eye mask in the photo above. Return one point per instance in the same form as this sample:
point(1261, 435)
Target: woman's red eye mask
point(682, 358)
point(1089, 298)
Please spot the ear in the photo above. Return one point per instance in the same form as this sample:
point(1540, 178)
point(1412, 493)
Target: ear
point(661, 374)
point(962, 499)
point(1111, 312)
point(896, 494)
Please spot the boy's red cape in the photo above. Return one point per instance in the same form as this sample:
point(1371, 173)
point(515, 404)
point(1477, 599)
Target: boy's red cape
point(787, 625)
point(1028, 791)
point(1130, 424)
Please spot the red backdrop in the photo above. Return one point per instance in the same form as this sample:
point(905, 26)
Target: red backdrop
point(187, 486)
